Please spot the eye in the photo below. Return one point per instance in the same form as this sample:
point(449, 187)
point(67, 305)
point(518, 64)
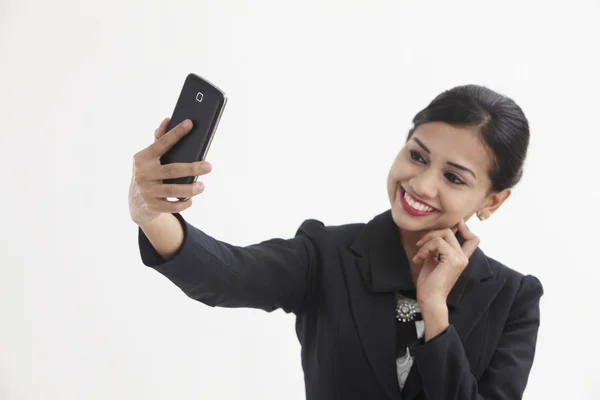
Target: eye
point(454, 178)
point(416, 156)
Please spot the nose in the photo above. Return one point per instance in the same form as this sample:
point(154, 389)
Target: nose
point(424, 185)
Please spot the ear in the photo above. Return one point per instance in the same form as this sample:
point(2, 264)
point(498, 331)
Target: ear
point(494, 201)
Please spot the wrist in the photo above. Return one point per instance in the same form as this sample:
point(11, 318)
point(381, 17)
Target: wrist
point(435, 319)
point(148, 221)
point(437, 311)
point(432, 304)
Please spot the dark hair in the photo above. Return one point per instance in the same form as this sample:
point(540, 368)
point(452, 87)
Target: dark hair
point(500, 122)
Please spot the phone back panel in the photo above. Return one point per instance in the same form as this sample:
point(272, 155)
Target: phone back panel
point(202, 103)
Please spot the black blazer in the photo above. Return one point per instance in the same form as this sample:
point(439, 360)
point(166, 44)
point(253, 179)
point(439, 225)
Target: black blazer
point(347, 331)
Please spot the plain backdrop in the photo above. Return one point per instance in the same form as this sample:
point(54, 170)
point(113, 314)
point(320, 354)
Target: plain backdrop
point(321, 95)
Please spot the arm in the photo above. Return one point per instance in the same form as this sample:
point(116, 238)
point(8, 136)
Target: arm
point(277, 273)
point(445, 370)
point(165, 234)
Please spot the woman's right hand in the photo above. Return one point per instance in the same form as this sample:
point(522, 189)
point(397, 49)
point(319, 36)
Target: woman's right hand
point(147, 192)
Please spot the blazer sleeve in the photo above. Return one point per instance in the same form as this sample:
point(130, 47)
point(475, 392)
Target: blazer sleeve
point(444, 367)
point(273, 274)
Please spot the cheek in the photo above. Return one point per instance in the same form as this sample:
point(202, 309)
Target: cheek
point(402, 169)
point(456, 203)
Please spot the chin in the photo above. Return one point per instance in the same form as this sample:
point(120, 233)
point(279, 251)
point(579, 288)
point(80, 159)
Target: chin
point(407, 223)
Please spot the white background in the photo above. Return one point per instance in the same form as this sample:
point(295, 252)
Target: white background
point(321, 94)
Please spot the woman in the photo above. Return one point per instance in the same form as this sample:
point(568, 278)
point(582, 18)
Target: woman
point(405, 306)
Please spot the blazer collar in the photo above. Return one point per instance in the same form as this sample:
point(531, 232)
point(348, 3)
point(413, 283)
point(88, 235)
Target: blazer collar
point(387, 268)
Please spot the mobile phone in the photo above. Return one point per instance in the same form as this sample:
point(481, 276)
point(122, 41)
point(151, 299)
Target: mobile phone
point(203, 103)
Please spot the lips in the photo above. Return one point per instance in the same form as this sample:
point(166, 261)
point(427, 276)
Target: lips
point(410, 209)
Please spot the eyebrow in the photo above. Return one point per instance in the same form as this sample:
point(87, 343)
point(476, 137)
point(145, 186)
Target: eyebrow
point(455, 165)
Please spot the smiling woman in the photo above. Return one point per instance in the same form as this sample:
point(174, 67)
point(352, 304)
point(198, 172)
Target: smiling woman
point(463, 155)
point(404, 306)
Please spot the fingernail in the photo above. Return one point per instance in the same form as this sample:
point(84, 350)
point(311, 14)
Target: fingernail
point(186, 123)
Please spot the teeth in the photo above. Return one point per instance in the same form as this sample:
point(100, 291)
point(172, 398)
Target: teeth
point(415, 205)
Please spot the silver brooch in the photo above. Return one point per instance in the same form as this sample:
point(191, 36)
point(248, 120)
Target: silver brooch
point(405, 311)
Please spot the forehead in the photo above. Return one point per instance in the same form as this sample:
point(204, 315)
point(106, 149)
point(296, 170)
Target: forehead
point(458, 144)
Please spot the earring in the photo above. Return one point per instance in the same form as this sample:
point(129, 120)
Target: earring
point(481, 216)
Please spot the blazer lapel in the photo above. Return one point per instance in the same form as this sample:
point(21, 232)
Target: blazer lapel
point(472, 293)
point(375, 322)
point(474, 306)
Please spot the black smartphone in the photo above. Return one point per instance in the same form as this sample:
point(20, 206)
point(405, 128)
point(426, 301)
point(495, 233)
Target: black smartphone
point(203, 103)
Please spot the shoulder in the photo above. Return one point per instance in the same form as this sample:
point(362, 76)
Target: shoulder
point(524, 286)
point(323, 234)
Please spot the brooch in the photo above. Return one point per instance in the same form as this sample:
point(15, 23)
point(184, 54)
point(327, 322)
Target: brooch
point(405, 311)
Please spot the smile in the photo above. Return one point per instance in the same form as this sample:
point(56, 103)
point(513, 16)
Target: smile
point(414, 206)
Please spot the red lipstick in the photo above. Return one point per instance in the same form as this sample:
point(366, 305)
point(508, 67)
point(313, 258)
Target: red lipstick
point(412, 211)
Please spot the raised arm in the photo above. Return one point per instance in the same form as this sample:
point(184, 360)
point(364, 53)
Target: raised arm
point(273, 274)
point(277, 273)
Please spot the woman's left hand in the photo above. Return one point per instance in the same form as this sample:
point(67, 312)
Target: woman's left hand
point(437, 277)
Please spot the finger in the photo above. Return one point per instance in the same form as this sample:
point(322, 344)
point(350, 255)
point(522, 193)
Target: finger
point(162, 128)
point(428, 236)
point(159, 172)
point(471, 240)
point(428, 250)
point(464, 231)
point(431, 234)
point(181, 170)
point(176, 190)
point(168, 140)
point(433, 247)
point(446, 234)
